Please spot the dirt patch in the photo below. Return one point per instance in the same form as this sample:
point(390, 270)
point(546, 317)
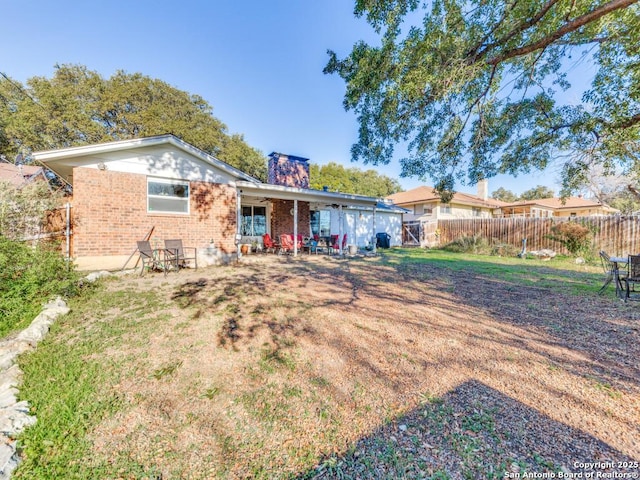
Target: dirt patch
point(283, 367)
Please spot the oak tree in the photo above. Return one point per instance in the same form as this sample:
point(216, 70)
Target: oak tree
point(78, 106)
point(475, 88)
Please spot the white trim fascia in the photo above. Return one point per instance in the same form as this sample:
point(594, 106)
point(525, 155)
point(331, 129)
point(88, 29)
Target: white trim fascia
point(292, 193)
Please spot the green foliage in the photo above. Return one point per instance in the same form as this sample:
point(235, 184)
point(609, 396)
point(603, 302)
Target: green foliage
point(23, 209)
point(77, 106)
point(532, 194)
point(537, 193)
point(574, 236)
point(504, 195)
point(624, 201)
point(29, 277)
point(352, 180)
point(476, 88)
point(469, 244)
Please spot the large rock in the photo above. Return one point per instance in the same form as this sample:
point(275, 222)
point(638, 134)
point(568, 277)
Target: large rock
point(544, 254)
point(14, 415)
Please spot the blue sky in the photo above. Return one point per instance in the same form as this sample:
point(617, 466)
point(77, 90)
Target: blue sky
point(258, 63)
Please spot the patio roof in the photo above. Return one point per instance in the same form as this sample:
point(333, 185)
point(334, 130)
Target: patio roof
point(306, 195)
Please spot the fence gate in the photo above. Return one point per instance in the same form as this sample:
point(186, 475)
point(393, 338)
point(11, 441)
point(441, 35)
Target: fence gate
point(429, 234)
point(411, 234)
point(422, 234)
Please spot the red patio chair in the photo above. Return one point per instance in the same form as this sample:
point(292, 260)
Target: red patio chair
point(334, 246)
point(286, 243)
point(269, 244)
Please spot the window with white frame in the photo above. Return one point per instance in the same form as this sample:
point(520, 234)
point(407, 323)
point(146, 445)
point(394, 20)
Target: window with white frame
point(320, 222)
point(167, 196)
point(476, 211)
point(254, 220)
point(445, 209)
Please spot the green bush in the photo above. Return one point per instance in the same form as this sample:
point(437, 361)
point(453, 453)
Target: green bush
point(572, 235)
point(469, 244)
point(30, 277)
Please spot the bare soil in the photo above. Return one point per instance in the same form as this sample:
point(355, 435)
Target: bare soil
point(315, 367)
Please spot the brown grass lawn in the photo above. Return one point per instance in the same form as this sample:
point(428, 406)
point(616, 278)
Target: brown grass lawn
point(314, 367)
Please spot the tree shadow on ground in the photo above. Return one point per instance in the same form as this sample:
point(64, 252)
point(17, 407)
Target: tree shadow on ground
point(473, 431)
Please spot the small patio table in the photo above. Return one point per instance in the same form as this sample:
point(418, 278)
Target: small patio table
point(617, 262)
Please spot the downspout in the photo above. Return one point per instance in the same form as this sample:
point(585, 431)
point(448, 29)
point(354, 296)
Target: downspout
point(67, 232)
point(295, 227)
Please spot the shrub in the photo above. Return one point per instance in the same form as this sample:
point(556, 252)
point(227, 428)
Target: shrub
point(22, 209)
point(572, 235)
point(505, 250)
point(468, 244)
point(30, 277)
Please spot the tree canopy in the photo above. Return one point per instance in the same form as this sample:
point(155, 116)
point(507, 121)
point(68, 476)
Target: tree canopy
point(478, 87)
point(78, 106)
point(537, 193)
point(352, 180)
point(504, 195)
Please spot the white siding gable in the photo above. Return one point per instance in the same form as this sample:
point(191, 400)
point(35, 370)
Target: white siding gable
point(158, 161)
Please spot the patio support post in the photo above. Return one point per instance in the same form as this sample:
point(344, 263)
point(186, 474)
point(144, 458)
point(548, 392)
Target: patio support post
point(295, 227)
point(340, 220)
point(374, 238)
point(238, 221)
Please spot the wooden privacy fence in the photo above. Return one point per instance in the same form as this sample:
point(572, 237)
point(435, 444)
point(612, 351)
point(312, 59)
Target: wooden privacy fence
point(617, 235)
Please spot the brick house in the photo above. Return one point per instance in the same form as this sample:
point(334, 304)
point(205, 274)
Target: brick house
point(123, 190)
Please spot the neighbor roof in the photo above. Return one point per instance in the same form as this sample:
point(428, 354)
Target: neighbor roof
point(426, 193)
point(19, 175)
point(569, 203)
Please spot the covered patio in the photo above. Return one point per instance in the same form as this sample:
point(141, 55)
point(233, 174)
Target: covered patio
point(276, 210)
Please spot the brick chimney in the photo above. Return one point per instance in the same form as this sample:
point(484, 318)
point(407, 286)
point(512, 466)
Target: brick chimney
point(288, 170)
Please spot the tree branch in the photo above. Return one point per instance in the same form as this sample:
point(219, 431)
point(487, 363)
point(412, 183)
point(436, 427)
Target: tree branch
point(564, 30)
point(518, 29)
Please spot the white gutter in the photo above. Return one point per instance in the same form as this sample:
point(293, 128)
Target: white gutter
point(304, 194)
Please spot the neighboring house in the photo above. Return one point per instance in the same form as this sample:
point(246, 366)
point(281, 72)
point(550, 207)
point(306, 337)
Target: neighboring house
point(555, 207)
point(425, 204)
point(20, 175)
point(124, 190)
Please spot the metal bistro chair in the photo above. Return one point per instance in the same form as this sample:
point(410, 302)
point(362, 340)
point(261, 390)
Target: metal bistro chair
point(611, 269)
point(608, 268)
point(633, 276)
point(151, 259)
point(178, 254)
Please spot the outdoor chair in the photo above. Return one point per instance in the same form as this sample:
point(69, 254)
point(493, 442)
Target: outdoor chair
point(269, 244)
point(151, 259)
point(286, 243)
point(633, 276)
point(335, 243)
point(608, 268)
point(179, 255)
point(313, 247)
